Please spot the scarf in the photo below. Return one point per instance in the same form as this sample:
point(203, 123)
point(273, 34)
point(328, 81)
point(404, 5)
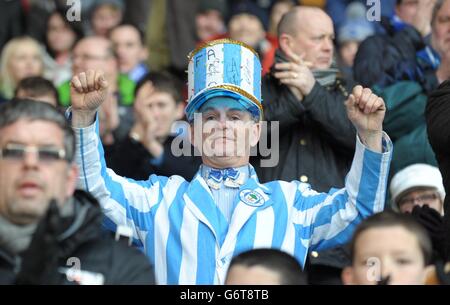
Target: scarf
point(326, 77)
point(16, 238)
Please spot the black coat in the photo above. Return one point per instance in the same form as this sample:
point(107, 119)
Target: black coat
point(325, 268)
point(316, 139)
point(60, 242)
point(438, 122)
point(131, 159)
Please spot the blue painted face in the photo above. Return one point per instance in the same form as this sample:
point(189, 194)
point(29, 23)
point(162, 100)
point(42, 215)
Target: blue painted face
point(224, 100)
point(227, 128)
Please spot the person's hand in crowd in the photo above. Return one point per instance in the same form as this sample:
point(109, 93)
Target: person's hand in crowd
point(88, 90)
point(422, 20)
point(366, 111)
point(145, 129)
point(296, 74)
point(111, 110)
point(109, 118)
point(433, 222)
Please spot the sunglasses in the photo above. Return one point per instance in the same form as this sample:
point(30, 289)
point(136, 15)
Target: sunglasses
point(427, 197)
point(16, 152)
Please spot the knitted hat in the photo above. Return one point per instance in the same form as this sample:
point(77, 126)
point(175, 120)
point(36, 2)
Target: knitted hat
point(417, 175)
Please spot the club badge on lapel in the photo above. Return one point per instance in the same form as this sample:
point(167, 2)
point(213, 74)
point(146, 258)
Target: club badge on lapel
point(251, 198)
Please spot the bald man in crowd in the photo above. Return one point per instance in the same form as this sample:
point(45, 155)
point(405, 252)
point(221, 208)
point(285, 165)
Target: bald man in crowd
point(306, 95)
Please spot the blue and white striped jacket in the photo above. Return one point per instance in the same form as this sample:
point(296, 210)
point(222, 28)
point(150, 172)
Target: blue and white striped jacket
point(188, 239)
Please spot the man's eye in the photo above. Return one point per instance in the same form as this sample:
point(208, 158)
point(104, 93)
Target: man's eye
point(235, 118)
point(13, 153)
point(403, 261)
point(48, 155)
point(209, 118)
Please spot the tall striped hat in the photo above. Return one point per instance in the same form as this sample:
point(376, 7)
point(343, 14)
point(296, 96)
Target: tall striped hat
point(224, 68)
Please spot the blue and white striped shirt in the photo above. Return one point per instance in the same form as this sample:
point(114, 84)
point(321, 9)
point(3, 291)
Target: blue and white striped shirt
point(188, 239)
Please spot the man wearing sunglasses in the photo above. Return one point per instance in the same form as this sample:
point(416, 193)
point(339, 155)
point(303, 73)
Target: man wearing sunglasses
point(49, 231)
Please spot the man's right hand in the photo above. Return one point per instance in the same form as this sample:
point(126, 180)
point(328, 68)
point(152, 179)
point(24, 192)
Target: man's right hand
point(88, 90)
point(296, 74)
point(146, 126)
point(422, 19)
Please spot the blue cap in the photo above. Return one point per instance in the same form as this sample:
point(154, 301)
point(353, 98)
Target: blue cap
point(356, 26)
point(355, 30)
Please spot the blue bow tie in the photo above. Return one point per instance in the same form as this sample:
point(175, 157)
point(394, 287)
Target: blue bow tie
point(230, 177)
point(218, 175)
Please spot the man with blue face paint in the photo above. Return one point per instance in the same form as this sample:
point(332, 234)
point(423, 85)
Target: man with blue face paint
point(192, 230)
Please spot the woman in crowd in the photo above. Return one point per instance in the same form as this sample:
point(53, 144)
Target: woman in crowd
point(21, 57)
point(61, 36)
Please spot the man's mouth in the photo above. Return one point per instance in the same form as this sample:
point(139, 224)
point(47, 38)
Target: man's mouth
point(224, 139)
point(29, 189)
point(324, 59)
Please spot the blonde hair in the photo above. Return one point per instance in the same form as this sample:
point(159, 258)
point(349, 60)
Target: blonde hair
point(7, 83)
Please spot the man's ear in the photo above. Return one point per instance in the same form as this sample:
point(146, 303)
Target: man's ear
point(285, 43)
point(347, 276)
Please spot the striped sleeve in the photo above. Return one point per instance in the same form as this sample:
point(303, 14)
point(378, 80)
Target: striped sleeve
point(329, 219)
point(124, 202)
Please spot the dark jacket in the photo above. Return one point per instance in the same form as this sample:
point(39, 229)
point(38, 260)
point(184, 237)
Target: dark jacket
point(131, 159)
point(61, 245)
point(399, 54)
point(316, 139)
point(325, 268)
point(438, 121)
point(7, 268)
